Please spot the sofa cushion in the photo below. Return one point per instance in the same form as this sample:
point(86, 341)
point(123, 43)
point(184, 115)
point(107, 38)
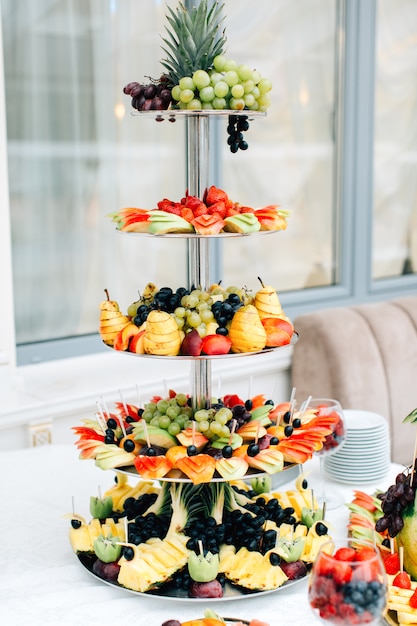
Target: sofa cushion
point(366, 357)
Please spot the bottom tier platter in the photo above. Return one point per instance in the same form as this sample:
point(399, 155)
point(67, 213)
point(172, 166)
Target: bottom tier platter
point(169, 592)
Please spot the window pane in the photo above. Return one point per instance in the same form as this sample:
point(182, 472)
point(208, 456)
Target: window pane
point(76, 154)
point(395, 152)
point(290, 160)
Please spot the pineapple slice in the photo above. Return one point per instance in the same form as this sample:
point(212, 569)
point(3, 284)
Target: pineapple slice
point(266, 576)
point(242, 566)
point(153, 563)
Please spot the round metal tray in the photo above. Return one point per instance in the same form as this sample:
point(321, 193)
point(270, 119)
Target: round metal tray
point(292, 469)
point(167, 591)
point(198, 235)
point(207, 357)
point(172, 114)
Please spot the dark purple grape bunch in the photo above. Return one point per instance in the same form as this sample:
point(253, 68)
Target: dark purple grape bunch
point(238, 124)
point(153, 96)
point(394, 501)
point(223, 311)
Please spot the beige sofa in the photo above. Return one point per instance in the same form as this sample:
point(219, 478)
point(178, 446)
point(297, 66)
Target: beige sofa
point(366, 357)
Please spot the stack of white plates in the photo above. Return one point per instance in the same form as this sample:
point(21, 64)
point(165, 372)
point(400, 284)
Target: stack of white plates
point(365, 455)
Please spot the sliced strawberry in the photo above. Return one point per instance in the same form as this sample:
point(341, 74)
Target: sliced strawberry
point(193, 203)
point(244, 209)
point(325, 565)
point(345, 554)
point(200, 210)
point(402, 580)
point(413, 600)
point(219, 208)
point(230, 400)
point(342, 573)
point(232, 211)
point(174, 208)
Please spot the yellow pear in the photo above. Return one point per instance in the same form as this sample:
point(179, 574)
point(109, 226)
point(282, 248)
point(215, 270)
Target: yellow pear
point(109, 305)
point(162, 335)
point(246, 331)
point(267, 302)
point(112, 320)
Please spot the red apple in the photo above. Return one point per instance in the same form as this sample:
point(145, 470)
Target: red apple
point(278, 331)
point(191, 344)
point(136, 343)
point(121, 341)
point(216, 344)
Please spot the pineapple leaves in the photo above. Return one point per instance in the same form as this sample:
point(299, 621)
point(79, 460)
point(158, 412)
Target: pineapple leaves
point(411, 417)
point(193, 39)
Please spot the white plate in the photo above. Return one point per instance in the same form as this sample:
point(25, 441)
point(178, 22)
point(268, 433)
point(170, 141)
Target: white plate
point(363, 420)
point(354, 461)
point(346, 479)
point(361, 435)
point(365, 455)
point(357, 475)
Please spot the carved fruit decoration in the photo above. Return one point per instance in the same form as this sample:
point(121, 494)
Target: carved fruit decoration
point(267, 302)
point(112, 320)
point(246, 331)
point(162, 335)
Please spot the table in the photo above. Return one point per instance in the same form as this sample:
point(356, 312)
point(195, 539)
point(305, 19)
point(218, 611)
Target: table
point(41, 581)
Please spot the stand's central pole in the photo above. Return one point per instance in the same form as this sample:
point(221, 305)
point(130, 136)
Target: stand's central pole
point(198, 247)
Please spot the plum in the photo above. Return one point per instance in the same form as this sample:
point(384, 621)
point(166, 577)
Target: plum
point(212, 589)
point(294, 570)
point(107, 571)
point(171, 622)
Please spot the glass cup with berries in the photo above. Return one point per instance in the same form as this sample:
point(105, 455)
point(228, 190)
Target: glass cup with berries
point(329, 417)
point(348, 584)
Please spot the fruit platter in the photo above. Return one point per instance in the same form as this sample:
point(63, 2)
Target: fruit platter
point(215, 214)
point(389, 518)
point(213, 619)
point(197, 323)
point(211, 542)
point(201, 521)
point(168, 440)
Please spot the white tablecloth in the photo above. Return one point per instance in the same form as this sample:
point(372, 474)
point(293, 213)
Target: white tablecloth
point(41, 581)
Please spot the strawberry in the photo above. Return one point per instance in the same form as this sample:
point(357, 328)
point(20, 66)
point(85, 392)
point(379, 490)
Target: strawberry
point(244, 209)
point(325, 565)
point(365, 554)
point(392, 563)
point(413, 600)
point(230, 400)
point(232, 211)
point(214, 194)
point(166, 205)
point(342, 573)
point(218, 207)
point(345, 554)
point(402, 580)
point(192, 202)
point(200, 210)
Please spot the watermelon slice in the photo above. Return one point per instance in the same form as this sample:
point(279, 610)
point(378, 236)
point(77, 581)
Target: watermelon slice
point(152, 467)
point(189, 437)
point(199, 468)
point(208, 224)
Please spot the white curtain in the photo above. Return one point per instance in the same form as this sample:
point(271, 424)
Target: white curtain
point(395, 155)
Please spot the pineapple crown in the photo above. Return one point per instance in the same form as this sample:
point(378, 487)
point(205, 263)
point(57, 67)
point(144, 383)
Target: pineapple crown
point(193, 39)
